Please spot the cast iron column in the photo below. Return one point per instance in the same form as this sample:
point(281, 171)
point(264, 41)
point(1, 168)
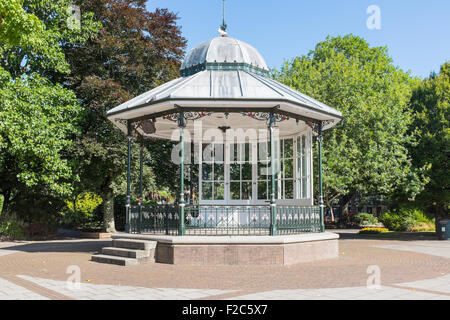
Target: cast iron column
point(273, 205)
point(321, 205)
point(128, 205)
point(141, 167)
point(181, 125)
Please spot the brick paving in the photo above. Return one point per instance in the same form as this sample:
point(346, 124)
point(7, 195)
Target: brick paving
point(401, 272)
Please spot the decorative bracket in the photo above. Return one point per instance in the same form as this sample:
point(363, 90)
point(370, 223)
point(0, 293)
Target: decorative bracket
point(316, 125)
point(265, 116)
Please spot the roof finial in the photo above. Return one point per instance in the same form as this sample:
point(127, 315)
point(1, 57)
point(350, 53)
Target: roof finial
point(223, 27)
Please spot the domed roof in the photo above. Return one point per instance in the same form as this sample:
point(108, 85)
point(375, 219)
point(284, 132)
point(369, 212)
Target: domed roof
point(224, 53)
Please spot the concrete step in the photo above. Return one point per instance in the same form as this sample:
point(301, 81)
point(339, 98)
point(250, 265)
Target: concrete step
point(127, 253)
point(121, 261)
point(134, 244)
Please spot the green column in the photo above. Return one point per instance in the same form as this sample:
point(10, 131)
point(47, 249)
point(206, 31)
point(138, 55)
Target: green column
point(273, 205)
point(181, 125)
point(128, 205)
point(141, 169)
point(321, 204)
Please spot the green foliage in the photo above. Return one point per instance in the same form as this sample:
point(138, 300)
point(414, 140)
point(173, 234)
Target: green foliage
point(82, 207)
point(431, 105)
point(367, 152)
point(134, 51)
point(38, 117)
point(404, 219)
point(25, 30)
point(11, 230)
point(33, 33)
point(364, 219)
point(36, 122)
point(84, 204)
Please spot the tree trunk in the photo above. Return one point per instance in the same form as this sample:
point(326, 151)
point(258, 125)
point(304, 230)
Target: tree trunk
point(6, 199)
point(108, 212)
point(343, 204)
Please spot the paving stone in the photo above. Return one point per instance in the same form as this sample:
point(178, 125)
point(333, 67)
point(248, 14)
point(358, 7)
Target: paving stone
point(12, 291)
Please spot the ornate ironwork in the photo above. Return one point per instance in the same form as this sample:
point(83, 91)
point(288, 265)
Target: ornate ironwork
point(315, 125)
point(215, 220)
point(121, 121)
point(148, 126)
point(172, 117)
point(265, 116)
point(194, 115)
point(188, 115)
point(327, 122)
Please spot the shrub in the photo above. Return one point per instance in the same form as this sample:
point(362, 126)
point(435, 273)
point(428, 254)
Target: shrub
point(364, 219)
point(81, 211)
point(405, 219)
point(11, 230)
point(424, 227)
point(373, 230)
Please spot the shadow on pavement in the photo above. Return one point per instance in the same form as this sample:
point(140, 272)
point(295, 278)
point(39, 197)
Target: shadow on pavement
point(69, 245)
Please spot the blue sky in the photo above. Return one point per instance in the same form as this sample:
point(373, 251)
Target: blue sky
point(416, 32)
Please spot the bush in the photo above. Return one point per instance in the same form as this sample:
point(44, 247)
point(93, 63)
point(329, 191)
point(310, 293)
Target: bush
point(364, 219)
point(405, 219)
point(82, 211)
point(11, 230)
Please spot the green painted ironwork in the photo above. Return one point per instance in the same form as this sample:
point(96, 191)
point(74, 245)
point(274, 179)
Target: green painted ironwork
point(128, 205)
point(295, 219)
point(224, 66)
point(181, 124)
point(273, 205)
point(141, 165)
point(224, 25)
point(155, 219)
point(224, 220)
point(321, 203)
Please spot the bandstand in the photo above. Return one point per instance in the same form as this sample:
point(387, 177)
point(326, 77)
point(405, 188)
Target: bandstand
point(251, 138)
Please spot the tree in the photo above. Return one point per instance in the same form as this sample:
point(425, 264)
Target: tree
point(38, 118)
point(430, 103)
point(134, 51)
point(367, 153)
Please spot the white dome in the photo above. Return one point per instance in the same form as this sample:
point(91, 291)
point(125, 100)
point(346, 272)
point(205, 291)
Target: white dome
point(223, 53)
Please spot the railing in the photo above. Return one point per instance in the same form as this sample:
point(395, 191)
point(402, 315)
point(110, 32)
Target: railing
point(296, 219)
point(215, 220)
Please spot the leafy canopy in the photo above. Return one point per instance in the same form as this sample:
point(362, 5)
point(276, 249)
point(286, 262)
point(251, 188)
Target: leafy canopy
point(430, 103)
point(38, 118)
point(367, 152)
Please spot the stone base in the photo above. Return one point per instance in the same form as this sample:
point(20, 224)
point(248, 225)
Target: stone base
point(95, 235)
point(241, 250)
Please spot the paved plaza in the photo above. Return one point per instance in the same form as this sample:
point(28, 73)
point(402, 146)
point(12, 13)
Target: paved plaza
point(366, 269)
